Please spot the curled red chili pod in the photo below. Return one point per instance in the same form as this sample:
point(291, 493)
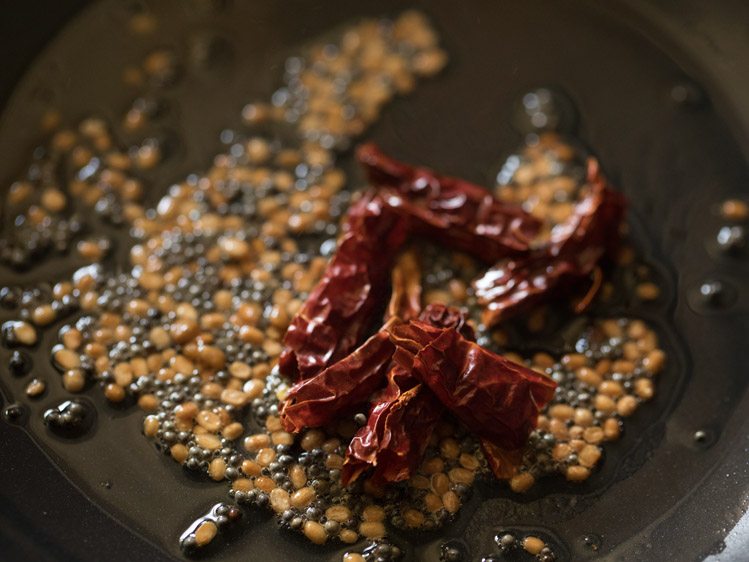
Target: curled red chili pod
point(397, 431)
point(452, 211)
point(403, 417)
point(566, 264)
point(320, 400)
point(496, 399)
point(338, 312)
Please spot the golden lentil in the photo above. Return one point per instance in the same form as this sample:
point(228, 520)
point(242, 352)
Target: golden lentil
point(533, 545)
point(205, 533)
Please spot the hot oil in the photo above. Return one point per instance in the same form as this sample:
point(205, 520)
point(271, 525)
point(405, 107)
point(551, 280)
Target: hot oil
point(464, 140)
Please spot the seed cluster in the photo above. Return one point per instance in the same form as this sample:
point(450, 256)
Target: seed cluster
point(70, 418)
point(546, 178)
point(604, 381)
point(79, 170)
point(611, 367)
point(219, 267)
point(191, 331)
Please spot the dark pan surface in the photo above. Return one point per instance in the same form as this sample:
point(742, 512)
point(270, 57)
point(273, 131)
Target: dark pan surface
point(660, 495)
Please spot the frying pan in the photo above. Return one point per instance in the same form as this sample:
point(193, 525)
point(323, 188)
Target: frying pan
point(661, 88)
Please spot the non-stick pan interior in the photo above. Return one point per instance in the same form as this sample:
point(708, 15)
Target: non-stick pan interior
point(661, 494)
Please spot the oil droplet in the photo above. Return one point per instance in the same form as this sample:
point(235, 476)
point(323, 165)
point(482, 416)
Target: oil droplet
point(20, 363)
point(544, 109)
point(70, 418)
point(8, 297)
point(592, 542)
point(712, 292)
point(453, 551)
point(379, 549)
point(688, 95)
point(15, 413)
point(506, 541)
point(705, 438)
point(711, 296)
point(731, 239)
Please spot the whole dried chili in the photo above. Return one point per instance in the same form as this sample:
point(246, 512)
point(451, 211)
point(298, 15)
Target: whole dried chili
point(403, 417)
point(566, 263)
point(319, 400)
point(496, 399)
point(336, 315)
point(457, 213)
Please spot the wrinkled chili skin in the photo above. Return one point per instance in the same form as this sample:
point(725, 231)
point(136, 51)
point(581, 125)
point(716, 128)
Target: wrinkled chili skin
point(320, 400)
point(403, 417)
point(409, 200)
point(439, 315)
point(493, 397)
point(435, 368)
point(454, 212)
point(565, 264)
point(397, 431)
point(336, 315)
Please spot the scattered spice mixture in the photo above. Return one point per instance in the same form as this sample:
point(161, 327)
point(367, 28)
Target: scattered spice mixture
point(257, 336)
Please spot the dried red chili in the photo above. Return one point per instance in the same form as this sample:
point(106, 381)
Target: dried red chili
point(397, 431)
point(336, 315)
point(464, 216)
point(496, 399)
point(434, 366)
point(403, 417)
point(431, 363)
point(565, 264)
point(454, 212)
point(318, 400)
point(322, 398)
